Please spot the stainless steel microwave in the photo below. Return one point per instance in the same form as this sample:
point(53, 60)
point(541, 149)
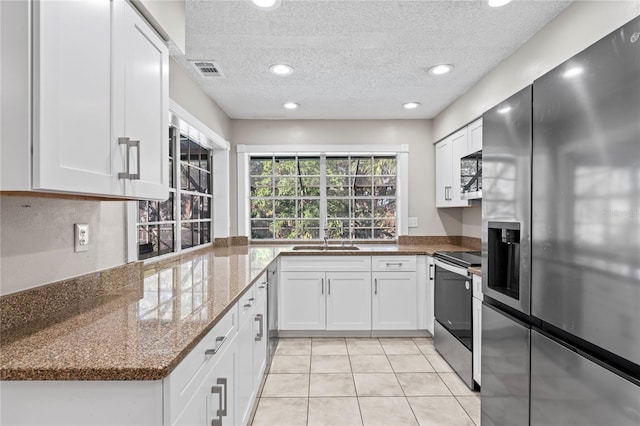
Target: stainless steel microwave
point(471, 176)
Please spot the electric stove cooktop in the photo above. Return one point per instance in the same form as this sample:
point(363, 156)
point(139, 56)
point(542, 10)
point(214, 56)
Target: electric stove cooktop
point(461, 258)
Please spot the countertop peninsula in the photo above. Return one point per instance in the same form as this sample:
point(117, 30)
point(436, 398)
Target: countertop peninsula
point(144, 328)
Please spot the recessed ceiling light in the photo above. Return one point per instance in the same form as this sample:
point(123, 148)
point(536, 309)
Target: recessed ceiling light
point(440, 69)
point(572, 72)
point(504, 109)
point(266, 4)
point(411, 105)
point(281, 69)
point(498, 3)
point(291, 105)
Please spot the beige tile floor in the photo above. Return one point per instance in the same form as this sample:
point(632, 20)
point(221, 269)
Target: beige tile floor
point(364, 381)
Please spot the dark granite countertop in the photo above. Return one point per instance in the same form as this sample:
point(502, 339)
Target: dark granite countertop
point(142, 328)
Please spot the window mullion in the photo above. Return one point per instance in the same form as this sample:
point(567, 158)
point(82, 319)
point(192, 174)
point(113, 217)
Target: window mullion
point(323, 194)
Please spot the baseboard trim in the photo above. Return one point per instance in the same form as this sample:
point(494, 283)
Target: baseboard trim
point(354, 333)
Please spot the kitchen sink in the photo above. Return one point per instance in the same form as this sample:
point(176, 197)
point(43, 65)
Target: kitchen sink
point(326, 248)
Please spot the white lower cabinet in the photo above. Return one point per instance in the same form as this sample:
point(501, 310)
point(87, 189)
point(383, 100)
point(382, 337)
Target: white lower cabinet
point(348, 300)
point(431, 280)
point(353, 293)
point(395, 301)
point(302, 302)
point(213, 400)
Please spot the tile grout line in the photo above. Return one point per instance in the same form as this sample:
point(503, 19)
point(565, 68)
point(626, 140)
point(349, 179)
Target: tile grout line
point(354, 384)
point(464, 409)
point(395, 374)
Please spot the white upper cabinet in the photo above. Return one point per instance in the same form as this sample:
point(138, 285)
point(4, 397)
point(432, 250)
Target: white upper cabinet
point(443, 172)
point(146, 107)
point(99, 83)
point(449, 151)
point(475, 136)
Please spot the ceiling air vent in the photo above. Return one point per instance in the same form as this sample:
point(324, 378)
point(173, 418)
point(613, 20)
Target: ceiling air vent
point(207, 68)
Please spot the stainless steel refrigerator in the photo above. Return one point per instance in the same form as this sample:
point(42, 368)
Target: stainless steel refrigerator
point(561, 328)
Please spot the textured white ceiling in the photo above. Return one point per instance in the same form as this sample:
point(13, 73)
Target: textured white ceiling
point(352, 59)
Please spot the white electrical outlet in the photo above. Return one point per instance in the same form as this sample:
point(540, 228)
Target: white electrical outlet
point(413, 222)
point(81, 237)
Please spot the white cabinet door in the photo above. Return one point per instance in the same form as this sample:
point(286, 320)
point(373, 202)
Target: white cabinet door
point(245, 382)
point(459, 149)
point(146, 107)
point(260, 339)
point(222, 407)
point(395, 301)
point(214, 397)
point(443, 172)
point(475, 136)
point(74, 149)
point(302, 302)
point(348, 299)
point(431, 271)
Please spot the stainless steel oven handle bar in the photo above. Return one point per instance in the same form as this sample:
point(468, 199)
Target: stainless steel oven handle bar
point(452, 268)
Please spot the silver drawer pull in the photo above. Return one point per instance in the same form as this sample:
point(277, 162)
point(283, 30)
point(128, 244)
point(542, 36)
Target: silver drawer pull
point(217, 390)
point(430, 272)
point(223, 411)
point(394, 263)
point(329, 286)
point(260, 319)
point(375, 281)
point(219, 342)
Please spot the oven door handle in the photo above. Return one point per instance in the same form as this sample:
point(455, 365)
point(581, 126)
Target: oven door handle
point(452, 268)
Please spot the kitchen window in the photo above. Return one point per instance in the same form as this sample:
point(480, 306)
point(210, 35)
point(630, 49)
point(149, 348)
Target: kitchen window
point(158, 221)
point(297, 196)
point(197, 202)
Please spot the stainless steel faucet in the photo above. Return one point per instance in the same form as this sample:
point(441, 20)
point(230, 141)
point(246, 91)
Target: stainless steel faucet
point(326, 232)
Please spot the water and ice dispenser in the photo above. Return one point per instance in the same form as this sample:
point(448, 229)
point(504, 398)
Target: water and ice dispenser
point(504, 258)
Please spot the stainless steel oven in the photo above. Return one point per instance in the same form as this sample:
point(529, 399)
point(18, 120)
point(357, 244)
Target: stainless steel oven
point(453, 328)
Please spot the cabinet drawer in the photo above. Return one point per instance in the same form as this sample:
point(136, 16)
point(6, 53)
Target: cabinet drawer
point(393, 263)
point(325, 263)
point(261, 285)
point(185, 378)
point(245, 304)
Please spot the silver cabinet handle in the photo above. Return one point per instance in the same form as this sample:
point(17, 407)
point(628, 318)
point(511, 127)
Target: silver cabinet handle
point(375, 288)
point(329, 286)
point(127, 174)
point(223, 411)
point(217, 390)
point(394, 263)
point(136, 145)
point(260, 319)
point(321, 285)
point(219, 342)
point(430, 272)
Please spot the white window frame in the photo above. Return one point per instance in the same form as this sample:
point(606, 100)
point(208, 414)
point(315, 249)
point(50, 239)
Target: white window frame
point(220, 218)
point(244, 153)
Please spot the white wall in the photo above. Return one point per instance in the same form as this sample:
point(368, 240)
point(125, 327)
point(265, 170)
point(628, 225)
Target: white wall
point(577, 27)
point(168, 17)
point(415, 133)
point(186, 93)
